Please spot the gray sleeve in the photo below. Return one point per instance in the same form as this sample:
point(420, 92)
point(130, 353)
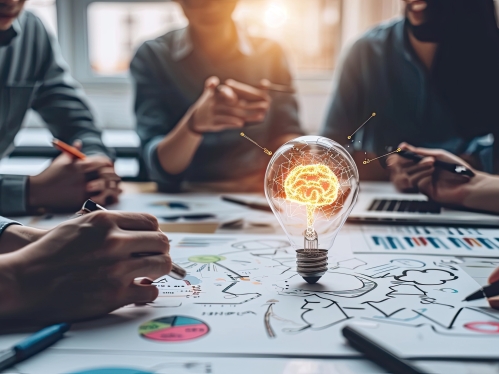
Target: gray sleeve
point(13, 194)
point(345, 110)
point(61, 102)
point(153, 116)
point(5, 222)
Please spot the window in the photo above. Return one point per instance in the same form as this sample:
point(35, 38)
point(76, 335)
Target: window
point(117, 29)
point(308, 30)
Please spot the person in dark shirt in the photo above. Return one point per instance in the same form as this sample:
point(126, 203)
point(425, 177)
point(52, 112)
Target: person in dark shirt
point(432, 79)
point(34, 75)
point(197, 88)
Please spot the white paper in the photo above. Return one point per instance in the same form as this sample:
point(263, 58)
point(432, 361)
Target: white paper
point(58, 362)
point(242, 296)
point(443, 241)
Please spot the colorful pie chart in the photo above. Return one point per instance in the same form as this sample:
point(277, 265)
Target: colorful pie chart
point(174, 329)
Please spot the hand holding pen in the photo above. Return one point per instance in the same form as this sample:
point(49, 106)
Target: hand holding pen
point(86, 267)
point(71, 179)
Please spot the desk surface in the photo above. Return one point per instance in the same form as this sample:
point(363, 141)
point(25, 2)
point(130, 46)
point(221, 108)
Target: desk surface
point(256, 222)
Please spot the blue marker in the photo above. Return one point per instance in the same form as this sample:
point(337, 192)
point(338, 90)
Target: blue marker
point(409, 241)
point(485, 242)
point(433, 242)
point(32, 345)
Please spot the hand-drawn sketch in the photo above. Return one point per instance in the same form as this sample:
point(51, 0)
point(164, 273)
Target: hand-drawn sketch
point(427, 277)
point(392, 268)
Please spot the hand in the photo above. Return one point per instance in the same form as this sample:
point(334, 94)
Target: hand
point(405, 174)
point(16, 237)
point(83, 268)
point(68, 182)
point(228, 106)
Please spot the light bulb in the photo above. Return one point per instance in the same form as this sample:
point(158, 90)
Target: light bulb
point(311, 185)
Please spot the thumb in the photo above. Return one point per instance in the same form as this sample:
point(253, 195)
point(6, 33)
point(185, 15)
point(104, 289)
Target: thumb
point(211, 83)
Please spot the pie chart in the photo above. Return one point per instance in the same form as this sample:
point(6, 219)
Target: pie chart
point(173, 329)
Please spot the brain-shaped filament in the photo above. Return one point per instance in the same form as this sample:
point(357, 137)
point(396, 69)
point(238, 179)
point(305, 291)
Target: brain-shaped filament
point(313, 186)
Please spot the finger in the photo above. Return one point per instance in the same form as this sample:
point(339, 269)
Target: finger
point(96, 185)
point(211, 83)
point(229, 110)
point(132, 221)
point(397, 162)
point(140, 294)
point(423, 165)
point(426, 186)
point(494, 302)
point(494, 277)
point(254, 105)
point(92, 164)
point(109, 174)
point(265, 84)
point(125, 244)
point(228, 121)
point(415, 178)
point(401, 182)
point(246, 91)
point(151, 267)
point(227, 95)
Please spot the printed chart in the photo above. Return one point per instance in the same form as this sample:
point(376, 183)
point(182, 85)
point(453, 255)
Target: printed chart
point(174, 329)
point(427, 240)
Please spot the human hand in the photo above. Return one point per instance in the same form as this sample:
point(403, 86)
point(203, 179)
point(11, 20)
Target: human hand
point(16, 237)
point(68, 182)
point(228, 106)
point(494, 277)
point(84, 268)
point(405, 174)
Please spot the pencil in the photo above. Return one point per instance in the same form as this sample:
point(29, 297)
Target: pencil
point(66, 148)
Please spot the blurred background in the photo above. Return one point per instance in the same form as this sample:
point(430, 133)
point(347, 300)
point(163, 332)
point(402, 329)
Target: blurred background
point(99, 37)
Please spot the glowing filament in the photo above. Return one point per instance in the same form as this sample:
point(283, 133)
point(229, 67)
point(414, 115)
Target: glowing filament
point(313, 186)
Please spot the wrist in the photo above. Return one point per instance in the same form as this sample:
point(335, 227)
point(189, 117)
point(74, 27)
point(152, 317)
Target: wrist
point(482, 193)
point(16, 237)
point(11, 298)
point(190, 123)
point(34, 192)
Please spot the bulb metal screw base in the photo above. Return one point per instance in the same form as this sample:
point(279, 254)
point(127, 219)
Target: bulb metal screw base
point(311, 264)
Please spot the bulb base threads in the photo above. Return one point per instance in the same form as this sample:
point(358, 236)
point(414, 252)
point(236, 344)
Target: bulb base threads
point(311, 264)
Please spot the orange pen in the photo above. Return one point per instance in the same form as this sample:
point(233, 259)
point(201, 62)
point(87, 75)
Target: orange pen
point(63, 147)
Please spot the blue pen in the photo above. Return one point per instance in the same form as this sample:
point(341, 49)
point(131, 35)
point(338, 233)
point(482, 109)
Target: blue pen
point(32, 345)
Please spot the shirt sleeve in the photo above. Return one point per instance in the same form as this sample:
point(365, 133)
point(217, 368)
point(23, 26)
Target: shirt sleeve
point(5, 222)
point(153, 117)
point(345, 110)
point(283, 113)
point(61, 102)
point(13, 195)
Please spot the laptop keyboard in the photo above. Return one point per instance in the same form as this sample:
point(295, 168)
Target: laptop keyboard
point(405, 206)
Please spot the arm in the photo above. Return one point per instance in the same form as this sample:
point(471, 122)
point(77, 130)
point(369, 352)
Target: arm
point(61, 102)
point(14, 236)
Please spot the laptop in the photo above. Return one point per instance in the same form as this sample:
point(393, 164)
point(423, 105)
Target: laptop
point(379, 202)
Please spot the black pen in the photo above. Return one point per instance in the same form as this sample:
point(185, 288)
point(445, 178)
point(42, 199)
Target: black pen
point(453, 168)
point(177, 271)
point(32, 345)
point(485, 292)
point(378, 354)
point(255, 206)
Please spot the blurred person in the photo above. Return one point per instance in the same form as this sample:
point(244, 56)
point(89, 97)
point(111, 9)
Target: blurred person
point(34, 75)
point(432, 79)
point(81, 269)
point(197, 88)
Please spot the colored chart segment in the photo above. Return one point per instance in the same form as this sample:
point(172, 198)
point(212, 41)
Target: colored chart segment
point(174, 329)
